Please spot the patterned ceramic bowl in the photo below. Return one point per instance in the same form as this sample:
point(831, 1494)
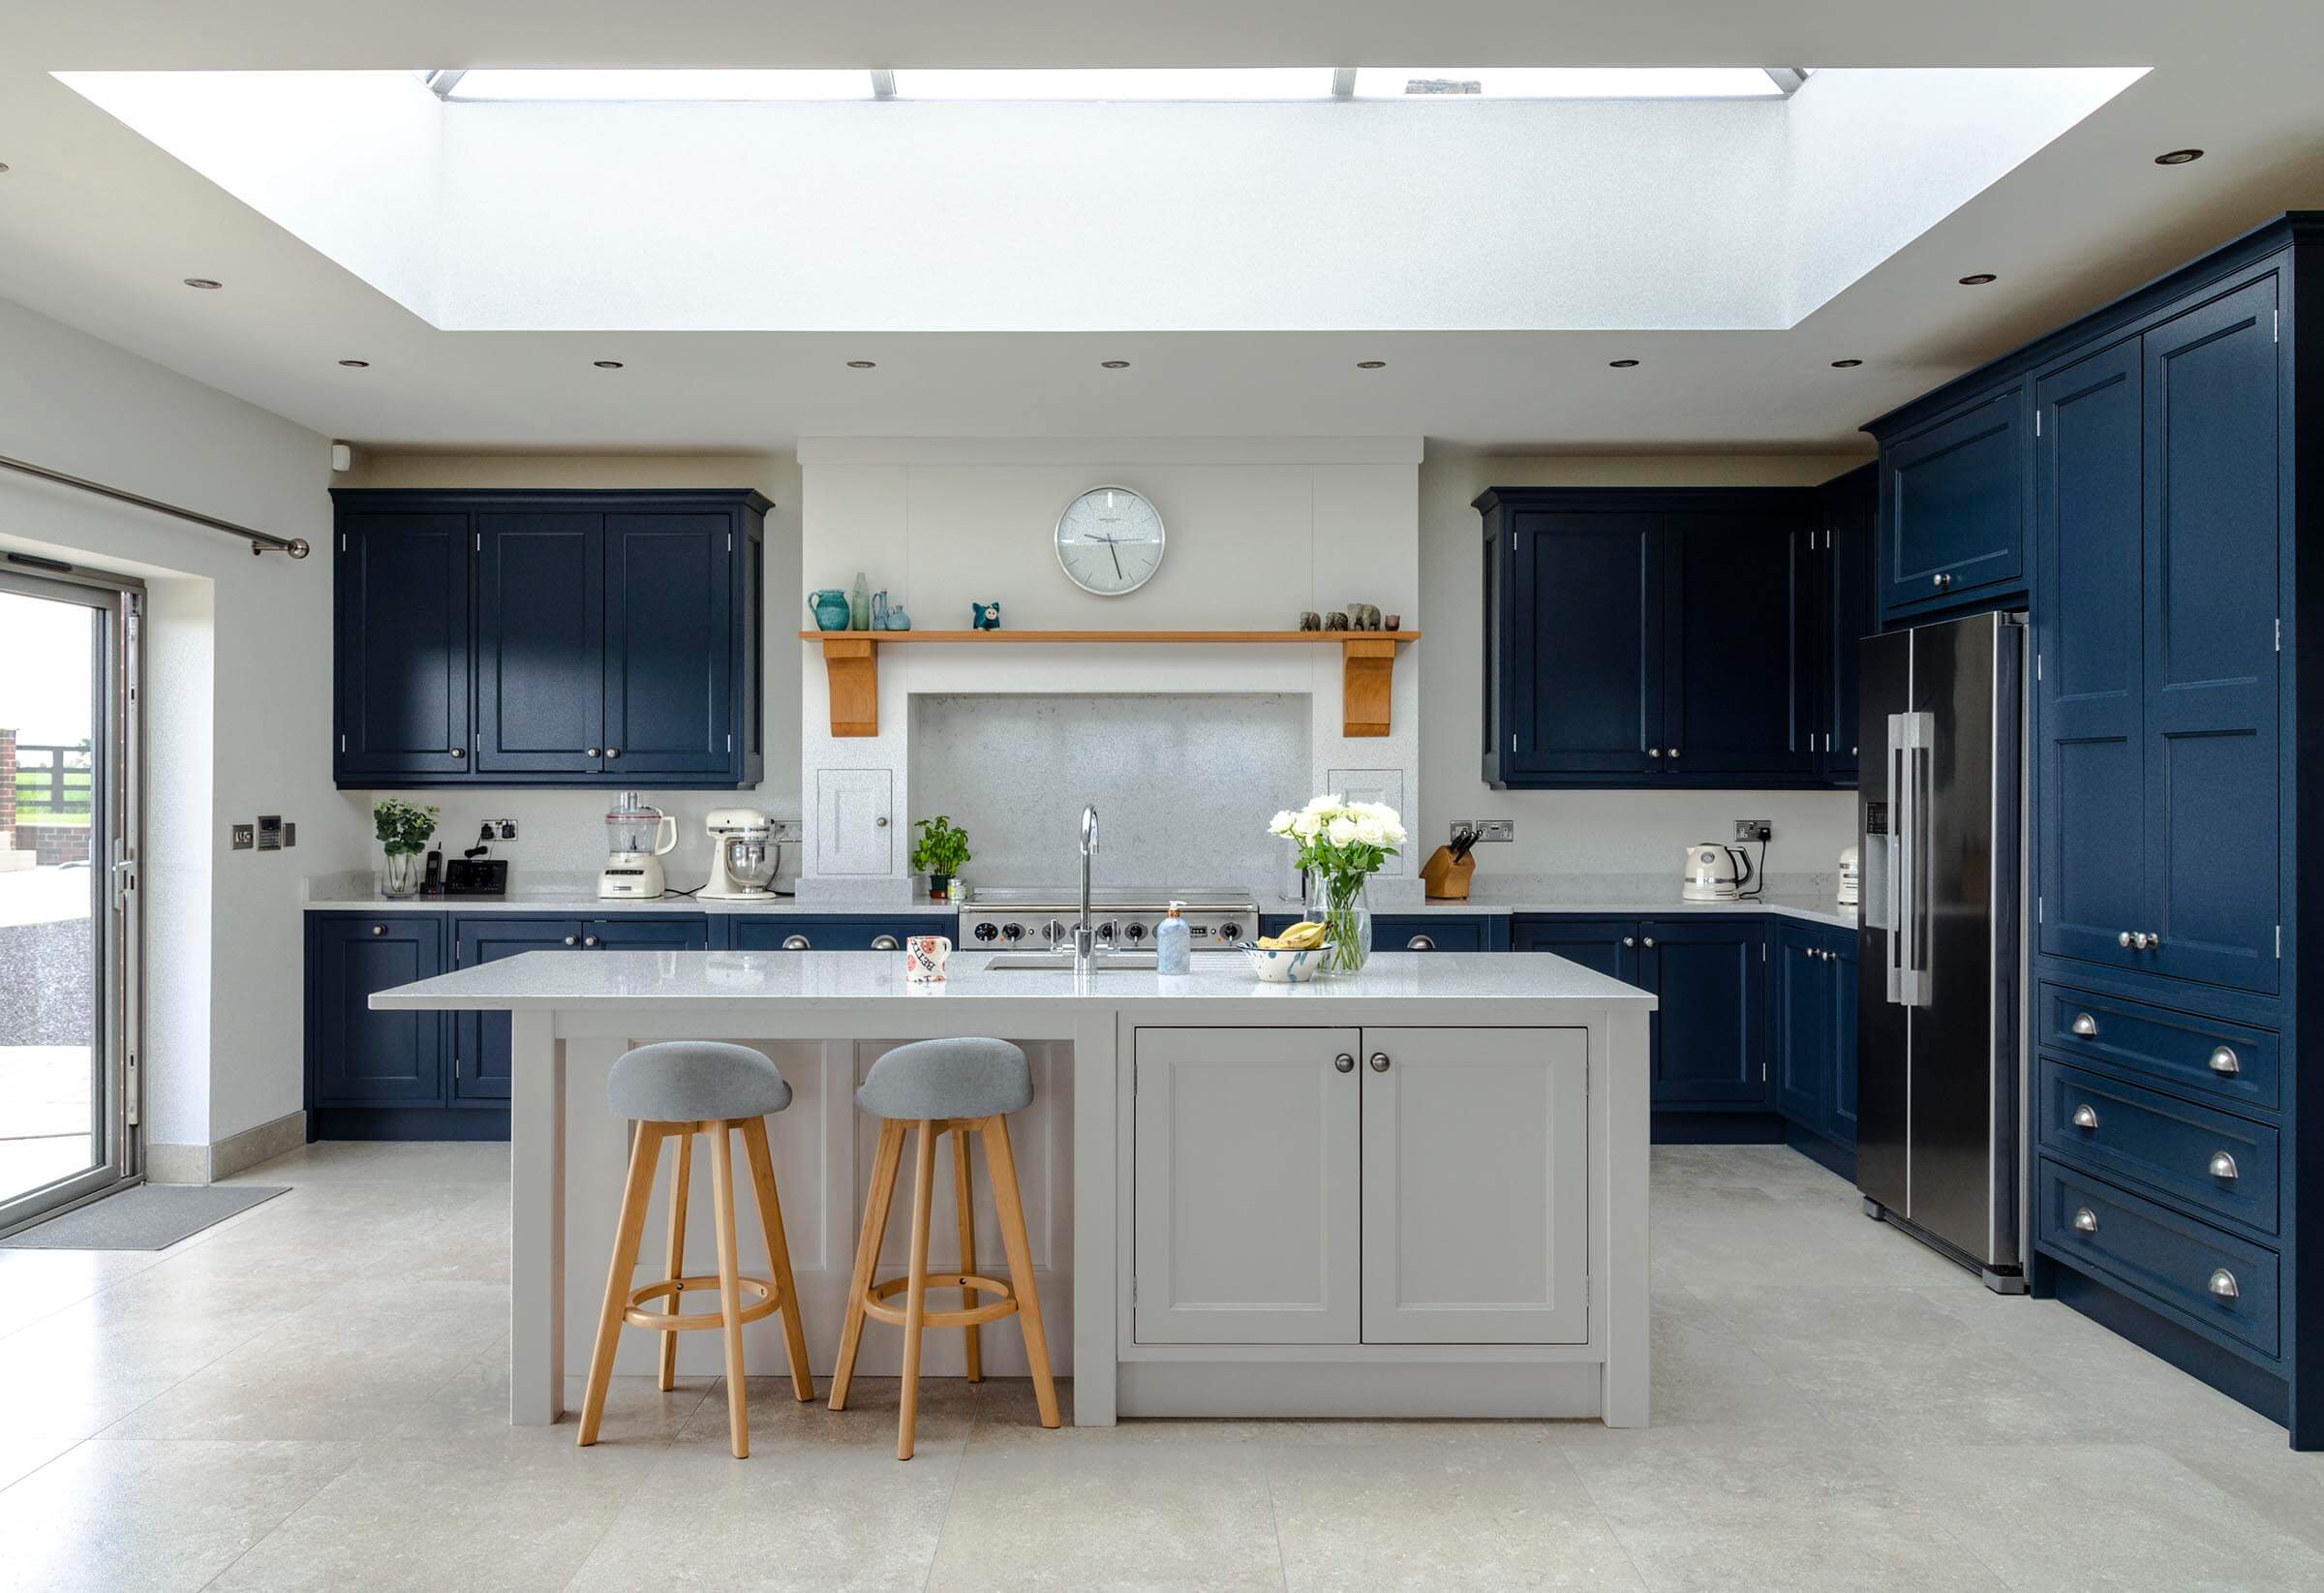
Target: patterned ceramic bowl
point(1285, 966)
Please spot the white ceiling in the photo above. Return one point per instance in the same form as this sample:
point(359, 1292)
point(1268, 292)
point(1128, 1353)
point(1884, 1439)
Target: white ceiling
point(98, 226)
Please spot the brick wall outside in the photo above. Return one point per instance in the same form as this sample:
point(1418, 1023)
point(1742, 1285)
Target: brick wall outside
point(54, 843)
point(8, 781)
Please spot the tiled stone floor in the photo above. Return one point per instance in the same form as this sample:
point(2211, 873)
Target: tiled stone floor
point(312, 1396)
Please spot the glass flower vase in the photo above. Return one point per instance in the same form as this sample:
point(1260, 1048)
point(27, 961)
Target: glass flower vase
point(1342, 903)
point(401, 877)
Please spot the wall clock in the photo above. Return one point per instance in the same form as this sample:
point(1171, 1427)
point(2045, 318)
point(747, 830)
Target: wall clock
point(1110, 542)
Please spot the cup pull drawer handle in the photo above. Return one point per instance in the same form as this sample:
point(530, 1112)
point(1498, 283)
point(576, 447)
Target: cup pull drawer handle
point(2224, 1061)
point(884, 942)
point(797, 943)
point(1419, 942)
point(2086, 1220)
point(2222, 1284)
point(2085, 1117)
point(2223, 1168)
point(2085, 1027)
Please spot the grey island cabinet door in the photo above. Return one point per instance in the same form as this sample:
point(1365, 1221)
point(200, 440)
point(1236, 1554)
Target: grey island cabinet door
point(1476, 1186)
point(1247, 1209)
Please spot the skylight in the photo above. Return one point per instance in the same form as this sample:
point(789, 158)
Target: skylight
point(661, 83)
point(1565, 84)
point(1116, 83)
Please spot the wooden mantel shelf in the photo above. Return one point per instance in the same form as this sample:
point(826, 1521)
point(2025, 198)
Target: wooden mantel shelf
point(1367, 663)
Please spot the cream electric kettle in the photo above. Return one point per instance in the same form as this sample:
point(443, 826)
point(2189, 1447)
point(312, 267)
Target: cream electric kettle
point(1713, 872)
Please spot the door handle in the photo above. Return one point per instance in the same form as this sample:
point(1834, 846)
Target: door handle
point(1650, 942)
point(458, 751)
point(613, 752)
point(589, 939)
point(1344, 1062)
point(378, 928)
point(589, 751)
point(572, 939)
point(1632, 941)
point(1379, 1061)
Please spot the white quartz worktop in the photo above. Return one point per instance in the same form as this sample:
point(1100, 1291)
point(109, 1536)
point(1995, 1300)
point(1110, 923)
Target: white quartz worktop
point(571, 897)
point(569, 981)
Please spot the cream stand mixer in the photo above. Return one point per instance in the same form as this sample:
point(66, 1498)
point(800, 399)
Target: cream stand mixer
point(743, 855)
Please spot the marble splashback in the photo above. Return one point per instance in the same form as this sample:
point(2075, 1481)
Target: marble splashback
point(1183, 785)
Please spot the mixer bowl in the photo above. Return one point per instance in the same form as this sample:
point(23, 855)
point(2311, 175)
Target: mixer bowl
point(750, 863)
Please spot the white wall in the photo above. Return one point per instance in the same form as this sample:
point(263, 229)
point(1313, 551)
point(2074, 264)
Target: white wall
point(563, 832)
point(1258, 529)
point(1580, 832)
point(237, 704)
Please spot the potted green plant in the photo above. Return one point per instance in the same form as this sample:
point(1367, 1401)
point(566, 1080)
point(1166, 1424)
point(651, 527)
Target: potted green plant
point(940, 851)
point(403, 828)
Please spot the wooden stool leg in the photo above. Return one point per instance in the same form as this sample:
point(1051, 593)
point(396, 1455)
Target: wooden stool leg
point(915, 1298)
point(882, 1194)
point(721, 1193)
point(645, 1153)
point(778, 1253)
point(681, 1176)
point(966, 1214)
point(1002, 1168)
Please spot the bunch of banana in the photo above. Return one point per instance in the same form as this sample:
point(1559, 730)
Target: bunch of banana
point(1305, 936)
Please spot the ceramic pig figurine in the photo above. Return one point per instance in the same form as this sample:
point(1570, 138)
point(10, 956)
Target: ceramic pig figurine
point(983, 616)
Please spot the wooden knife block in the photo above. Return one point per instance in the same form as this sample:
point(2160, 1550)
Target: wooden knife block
point(1447, 877)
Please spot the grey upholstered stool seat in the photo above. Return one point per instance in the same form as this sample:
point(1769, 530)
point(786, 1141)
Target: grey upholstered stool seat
point(673, 1092)
point(938, 1089)
point(963, 1078)
point(694, 1081)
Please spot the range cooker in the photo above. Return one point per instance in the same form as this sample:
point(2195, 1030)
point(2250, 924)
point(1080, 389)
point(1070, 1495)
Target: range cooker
point(1047, 915)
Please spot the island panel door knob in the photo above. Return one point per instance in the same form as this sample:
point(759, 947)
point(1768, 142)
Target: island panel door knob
point(1379, 1061)
point(1344, 1062)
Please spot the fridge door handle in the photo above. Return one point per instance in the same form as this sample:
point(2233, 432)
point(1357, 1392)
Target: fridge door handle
point(1893, 963)
point(1908, 735)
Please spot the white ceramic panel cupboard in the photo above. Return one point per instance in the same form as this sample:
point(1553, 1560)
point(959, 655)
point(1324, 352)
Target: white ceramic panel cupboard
point(1360, 1186)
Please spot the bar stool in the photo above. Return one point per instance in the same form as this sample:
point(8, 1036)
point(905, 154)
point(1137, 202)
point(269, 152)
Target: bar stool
point(675, 1091)
point(944, 1086)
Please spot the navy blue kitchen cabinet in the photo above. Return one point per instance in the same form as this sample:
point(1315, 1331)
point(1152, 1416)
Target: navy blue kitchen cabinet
point(1651, 637)
point(833, 932)
point(357, 1057)
point(1420, 931)
point(1815, 997)
point(480, 1039)
point(403, 638)
point(1711, 1030)
point(1603, 945)
point(1850, 506)
point(1954, 501)
point(549, 638)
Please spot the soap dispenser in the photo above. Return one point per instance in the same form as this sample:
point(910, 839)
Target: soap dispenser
point(1171, 942)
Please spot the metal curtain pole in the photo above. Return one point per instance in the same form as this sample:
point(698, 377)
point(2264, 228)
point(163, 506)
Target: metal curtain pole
point(260, 541)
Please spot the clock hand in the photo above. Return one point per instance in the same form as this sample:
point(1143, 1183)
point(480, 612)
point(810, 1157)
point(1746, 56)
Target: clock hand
point(1117, 552)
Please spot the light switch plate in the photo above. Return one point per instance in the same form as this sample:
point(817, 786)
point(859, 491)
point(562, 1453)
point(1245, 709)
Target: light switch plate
point(243, 837)
point(1754, 829)
point(289, 834)
point(270, 832)
point(1489, 829)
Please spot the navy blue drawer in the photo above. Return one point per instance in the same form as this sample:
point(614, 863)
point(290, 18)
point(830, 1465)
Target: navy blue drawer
point(2168, 1144)
point(769, 931)
point(1431, 932)
point(2174, 1262)
point(2231, 1062)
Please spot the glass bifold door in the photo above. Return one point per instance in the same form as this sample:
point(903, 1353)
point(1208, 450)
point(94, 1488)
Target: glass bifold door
point(69, 797)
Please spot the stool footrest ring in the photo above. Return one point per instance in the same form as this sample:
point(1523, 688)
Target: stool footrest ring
point(766, 1304)
point(876, 1297)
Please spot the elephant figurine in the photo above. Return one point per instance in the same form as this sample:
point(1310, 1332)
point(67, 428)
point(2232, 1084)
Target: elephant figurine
point(983, 616)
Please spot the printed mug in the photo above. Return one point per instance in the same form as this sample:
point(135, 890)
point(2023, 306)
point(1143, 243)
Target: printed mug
point(924, 958)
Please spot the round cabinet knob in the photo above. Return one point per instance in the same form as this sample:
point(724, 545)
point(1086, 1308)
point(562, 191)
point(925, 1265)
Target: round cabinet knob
point(2222, 1284)
point(1630, 940)
point(1419, 942)
point(2085, 1027)
point(797, 943)
point(2223, 1168)
point(885, 942)
point(880, 823)
point(1344, 1062)
point(1675, 751)
point(1937, 581)
point(1654, 752)
point(378, 928)
point(613, 752)
point(589, 751)
point(589, 939)
point(1650, 942)
point(2224, 1061)
point(1379, 1061)
point(2085, 1118)
point(2086, 1220)
point(572, 939)
point(2123, 940)
point(459, 752)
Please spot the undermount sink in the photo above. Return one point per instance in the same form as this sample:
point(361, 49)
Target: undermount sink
point(1119, 961)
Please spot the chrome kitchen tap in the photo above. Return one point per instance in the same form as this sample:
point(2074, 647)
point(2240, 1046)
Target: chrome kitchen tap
point(1084, 934)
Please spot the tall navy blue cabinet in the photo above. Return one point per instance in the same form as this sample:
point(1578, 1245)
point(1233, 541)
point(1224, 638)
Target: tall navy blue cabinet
point(1641, 637)
point(2176, 1191)
point(549, 638)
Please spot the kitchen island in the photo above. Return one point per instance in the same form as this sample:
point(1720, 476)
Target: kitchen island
point(1418, 1191)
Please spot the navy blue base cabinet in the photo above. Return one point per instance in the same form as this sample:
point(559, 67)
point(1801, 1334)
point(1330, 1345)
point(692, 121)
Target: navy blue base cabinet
point(1677, 638)
point(549, 638)
point(2142, 468)
point(835, 932)
point(1420, 931)
point(1814, 970)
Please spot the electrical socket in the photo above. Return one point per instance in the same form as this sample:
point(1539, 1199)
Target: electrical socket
point(1488, 829)
point(1754, 829)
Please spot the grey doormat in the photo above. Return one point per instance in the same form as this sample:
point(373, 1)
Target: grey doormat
point(146, 1216)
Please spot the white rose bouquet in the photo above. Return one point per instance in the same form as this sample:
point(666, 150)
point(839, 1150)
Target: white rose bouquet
point(1341, 845)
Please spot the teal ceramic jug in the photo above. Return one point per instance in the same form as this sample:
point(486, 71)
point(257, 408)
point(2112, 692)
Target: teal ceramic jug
point(830, 609)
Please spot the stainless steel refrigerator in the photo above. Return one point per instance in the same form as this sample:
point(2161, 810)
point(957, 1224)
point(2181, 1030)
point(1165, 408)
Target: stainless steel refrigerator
point(1939, 1106)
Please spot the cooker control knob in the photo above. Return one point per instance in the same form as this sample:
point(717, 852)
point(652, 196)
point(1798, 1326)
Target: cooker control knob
point(988, 931)
point(1229, 931)
point(1134, 933)
point(1012, 932)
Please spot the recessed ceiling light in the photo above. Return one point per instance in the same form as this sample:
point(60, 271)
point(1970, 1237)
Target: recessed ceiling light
point(863, 364)
point(607, 364)
point(1621, 364)
point(1978, 279)
point(1846, 364)
point(2176, 156)
point(356, 364)
point(202, 283)
point(1115, 364)
point(1370, 364)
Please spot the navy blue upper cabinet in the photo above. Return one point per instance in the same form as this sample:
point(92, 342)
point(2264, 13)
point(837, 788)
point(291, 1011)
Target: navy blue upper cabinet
point(1850, 506)
point(1953, 505)
point(2214, 487)
point(673, 629)
point(1642, 638)
point(550, 638)
point(402, 623)
point(540, 604)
